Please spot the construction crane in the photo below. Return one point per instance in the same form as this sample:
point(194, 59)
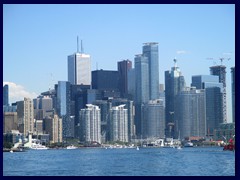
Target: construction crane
point(221, 59)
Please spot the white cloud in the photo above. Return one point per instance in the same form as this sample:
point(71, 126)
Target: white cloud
point(181, 52)
point(227, 54)
point(18, 92)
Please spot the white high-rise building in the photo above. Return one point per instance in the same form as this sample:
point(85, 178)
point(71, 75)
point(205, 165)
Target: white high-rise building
point(90, 123)
point(79, 69)
point(119, 123)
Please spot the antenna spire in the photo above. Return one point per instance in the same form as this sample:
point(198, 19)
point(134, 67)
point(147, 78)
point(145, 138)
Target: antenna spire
point(81, 47)
point(77, 45)
point(175, 62)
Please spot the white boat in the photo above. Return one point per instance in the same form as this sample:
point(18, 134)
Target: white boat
point(188, 144)
point(38, 146)
point(71, 147)
point(137, 148)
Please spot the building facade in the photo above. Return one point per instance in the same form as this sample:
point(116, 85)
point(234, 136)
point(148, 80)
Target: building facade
point(214, 100)
point(64, 108)
point(191, 113)
point(153, 119)
point(118, 124)
point(141, 89)
point(79, 69)
point(220, 71)
point(174, 84)
point(25, 115)
point(123, 68)
point(105, 80)
point(90, 124)
point(5, 95)
point(150, 50)
point(10, 121)
point(53, 127)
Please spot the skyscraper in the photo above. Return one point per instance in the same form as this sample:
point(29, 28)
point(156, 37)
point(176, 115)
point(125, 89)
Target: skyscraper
point(141, 89)
point(150, 50)
point(123, 68)
point(220, 71)
point(79, 68)
point(233, 93)
point(214, 97)
point(90, 124)
point(5, 95)
point(191, 113)
point(153, 119)
point(25, 115)
point(64, 108)
point(119, 124)
point(53, 126)
point(174, 83)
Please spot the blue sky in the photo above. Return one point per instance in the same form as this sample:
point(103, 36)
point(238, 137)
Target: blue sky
point(38, 38)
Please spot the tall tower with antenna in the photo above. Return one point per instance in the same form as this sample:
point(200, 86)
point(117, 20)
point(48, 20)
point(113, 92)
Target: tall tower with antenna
point(79, 67)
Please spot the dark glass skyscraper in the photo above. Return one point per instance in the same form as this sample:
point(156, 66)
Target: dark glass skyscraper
point(64, 108)
point(141, 89)
point(5, 95)
point(105, 80)
point(123, 68)
point(150, 50)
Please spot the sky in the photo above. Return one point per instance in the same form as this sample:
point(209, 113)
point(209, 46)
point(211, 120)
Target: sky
point(38, 38)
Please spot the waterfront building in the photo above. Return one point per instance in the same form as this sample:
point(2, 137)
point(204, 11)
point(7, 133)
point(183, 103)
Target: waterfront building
point(79, 68)
point(153, 119)
point(25, 115)
point(174, 84)
point(10, 121)
point(119, 124)
point(220, 71)
point(131, 114)
point(233, 94)
point(191, 113)
point(123, 68)
point(141, 89)
point(150, 50)
point(90, 124)
point(64, 108)
point(53, 127)
point(214, 100)
point(5, 95)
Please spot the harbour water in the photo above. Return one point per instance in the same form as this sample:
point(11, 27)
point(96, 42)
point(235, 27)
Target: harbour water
point(197, 161)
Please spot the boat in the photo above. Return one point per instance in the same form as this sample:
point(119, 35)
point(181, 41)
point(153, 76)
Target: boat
point(137, 148)
point(188, 144)
point(38, 146)
point(230, 146)
point(71, 147)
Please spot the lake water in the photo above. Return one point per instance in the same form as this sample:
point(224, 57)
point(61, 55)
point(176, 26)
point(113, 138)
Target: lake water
point(197, 161)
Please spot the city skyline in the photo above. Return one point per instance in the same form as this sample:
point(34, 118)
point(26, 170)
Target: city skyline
point(42, 36)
